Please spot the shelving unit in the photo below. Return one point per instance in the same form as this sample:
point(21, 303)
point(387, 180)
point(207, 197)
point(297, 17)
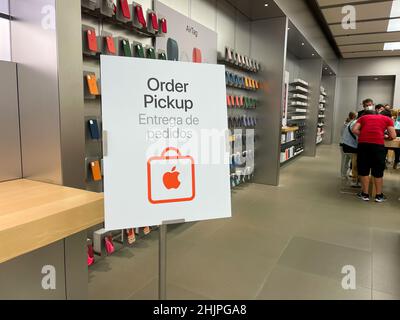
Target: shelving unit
point(242, 102)
point(321, 116)
point(297, 116)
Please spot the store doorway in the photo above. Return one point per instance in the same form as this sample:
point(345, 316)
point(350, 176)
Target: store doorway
point(378, 88)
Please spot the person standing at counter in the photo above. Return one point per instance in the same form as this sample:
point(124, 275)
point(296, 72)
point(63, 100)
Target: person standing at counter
point(370, 129)
point(368, 105)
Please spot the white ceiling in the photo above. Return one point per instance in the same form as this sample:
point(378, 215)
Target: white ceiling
point(372, 26)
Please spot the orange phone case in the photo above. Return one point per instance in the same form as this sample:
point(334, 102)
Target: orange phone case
point(228, 101)
point(246, 82)
point(237, 102)
point(92, 85)
point(96, 172)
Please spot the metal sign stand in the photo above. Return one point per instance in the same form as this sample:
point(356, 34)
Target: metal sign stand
point(162, 280)
point(162, 263)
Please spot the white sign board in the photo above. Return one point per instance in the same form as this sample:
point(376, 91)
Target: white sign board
point(186, 40)
point(167, 153)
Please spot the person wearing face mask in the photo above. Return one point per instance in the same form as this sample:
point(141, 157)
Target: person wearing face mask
point(368, 105)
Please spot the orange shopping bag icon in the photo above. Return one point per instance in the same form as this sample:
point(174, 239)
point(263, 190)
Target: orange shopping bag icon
point(171, 178)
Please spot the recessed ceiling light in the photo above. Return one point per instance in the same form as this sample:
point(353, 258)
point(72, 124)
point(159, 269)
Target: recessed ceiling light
point(266, 5)
point(313, 54)
point(326, 68)
point(302, 43)
point(376, 79)
point(395, 12)
point(394, 25)
point(391, 46)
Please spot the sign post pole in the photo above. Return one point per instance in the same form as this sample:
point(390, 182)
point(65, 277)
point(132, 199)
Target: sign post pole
point(162, 278)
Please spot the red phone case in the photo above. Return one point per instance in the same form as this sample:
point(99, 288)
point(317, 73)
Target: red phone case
point(197, 58)
point(140, 15)
point(164, 27)
point(111, 45)
point(92, 40)
point(154, 21)
point(125, 9)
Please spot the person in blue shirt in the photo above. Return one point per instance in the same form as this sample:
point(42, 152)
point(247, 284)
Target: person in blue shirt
point(349, 144)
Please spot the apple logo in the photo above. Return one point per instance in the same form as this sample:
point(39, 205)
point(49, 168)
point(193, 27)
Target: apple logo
point(171, 179)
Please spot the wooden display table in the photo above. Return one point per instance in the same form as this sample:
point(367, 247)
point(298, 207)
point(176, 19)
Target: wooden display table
point(35, 214)
point(392, 144)
point(44, 225)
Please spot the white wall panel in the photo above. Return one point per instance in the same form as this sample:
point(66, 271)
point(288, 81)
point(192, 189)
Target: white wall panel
point(5, 52)
point(204, 12)
point(346, 101)
point(4, 8)
point(182, 6)
point(381, 91)
point(242, 34)
point(225, 25)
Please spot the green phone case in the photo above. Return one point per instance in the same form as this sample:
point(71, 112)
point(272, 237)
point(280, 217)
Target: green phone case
point(126, 48)
point(139, 51)
point(151, 54)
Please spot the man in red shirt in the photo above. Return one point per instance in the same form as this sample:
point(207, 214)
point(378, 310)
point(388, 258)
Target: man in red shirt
point(371, 128)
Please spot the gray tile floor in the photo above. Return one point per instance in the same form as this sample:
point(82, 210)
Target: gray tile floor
point(289, 242)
